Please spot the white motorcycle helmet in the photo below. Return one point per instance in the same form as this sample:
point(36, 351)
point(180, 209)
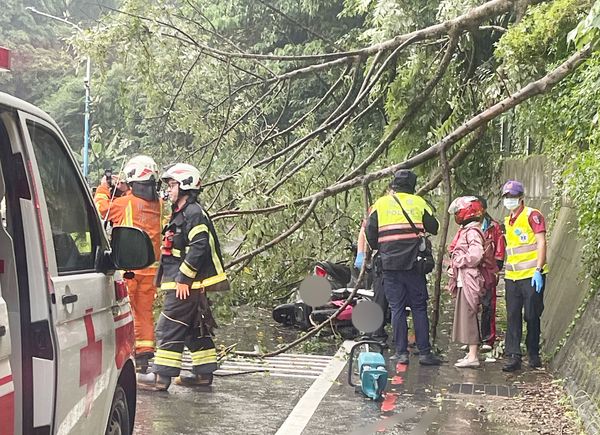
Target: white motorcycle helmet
point(186, 175)
point(141, 168)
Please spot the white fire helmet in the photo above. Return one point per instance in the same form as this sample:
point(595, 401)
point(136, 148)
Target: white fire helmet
point(187, 176)
point(141, 168)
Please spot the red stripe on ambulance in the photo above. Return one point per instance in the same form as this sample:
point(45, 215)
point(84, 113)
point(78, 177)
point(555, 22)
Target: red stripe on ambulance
point(124, 338)
point(7, 409)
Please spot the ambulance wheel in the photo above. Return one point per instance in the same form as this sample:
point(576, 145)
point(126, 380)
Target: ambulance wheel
point(118, 420)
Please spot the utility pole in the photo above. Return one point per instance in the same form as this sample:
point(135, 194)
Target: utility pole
point(86, 83)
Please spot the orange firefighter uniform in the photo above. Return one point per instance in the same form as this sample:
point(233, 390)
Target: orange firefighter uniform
point(131, 210)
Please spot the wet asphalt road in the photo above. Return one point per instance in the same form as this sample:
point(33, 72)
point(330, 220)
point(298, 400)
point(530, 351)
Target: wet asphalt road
point(419, 400)
point(246, 404)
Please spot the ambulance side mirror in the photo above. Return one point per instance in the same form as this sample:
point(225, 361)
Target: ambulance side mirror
point(131, 248)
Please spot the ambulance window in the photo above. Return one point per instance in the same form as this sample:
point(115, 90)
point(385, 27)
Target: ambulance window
point(69, 211)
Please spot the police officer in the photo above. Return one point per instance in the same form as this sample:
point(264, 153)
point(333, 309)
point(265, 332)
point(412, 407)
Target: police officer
point(191, 264)
point(397, 224)
point(525, 275)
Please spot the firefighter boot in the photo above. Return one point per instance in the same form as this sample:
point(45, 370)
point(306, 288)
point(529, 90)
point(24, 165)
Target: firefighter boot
point(194, 380)
point(142, 361)
point(153, 382)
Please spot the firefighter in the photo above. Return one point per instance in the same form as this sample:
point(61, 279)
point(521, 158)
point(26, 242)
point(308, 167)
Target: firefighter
point(396, 227)
point(191, 264)
point(525, 275)
point(139, 207)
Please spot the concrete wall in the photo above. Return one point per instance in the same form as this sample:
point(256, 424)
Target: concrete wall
point(578, 360)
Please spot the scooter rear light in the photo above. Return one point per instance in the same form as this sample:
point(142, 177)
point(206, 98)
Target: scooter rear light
point(120, 289)
point(319, 271)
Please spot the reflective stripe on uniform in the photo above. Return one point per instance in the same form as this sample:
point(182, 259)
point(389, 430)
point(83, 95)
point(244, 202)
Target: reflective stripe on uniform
point(197, 230)
point(400, 227)
point(521, 249)
point(177, 253)
point(523, 265)
point(394, 237)
point(172, 285)
point(187, 270)
point(207, 356)
point(144, 343)
point(215, 257)
point(167, 358)
point(128, 219)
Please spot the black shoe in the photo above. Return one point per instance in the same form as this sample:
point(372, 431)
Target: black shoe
point(513, 364)
point(142, 362)
point(429, 359)
point(400, 358)
point(535, 361)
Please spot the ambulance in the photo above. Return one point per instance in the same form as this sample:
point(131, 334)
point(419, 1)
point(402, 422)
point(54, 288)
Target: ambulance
point(66, 328)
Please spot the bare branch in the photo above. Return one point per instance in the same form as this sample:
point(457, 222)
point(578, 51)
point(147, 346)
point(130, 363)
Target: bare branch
point(470, 19)
point(532, 89)
point(411, 111)
point(455, 161)
point(279, 238)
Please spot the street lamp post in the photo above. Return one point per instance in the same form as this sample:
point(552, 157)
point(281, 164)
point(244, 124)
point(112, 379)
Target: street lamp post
point(86, 82)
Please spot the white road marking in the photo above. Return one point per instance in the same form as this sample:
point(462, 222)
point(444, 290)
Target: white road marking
point(283, 366)
point(308, 404)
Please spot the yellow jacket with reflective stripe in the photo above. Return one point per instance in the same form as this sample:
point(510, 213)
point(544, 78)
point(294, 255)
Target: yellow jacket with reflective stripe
point(521, 247)
point(195, 257)
point(390, 232)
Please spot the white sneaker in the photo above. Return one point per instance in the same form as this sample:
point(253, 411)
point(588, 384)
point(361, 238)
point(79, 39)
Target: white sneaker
point(486, 348)
point(465, 363)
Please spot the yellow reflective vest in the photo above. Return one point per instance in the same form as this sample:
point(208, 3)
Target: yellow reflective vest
point(521, 247)
point(390, 232)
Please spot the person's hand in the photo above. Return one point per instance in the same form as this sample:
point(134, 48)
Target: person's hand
point(122, 186)
point(182, 291)
point(104, 181)
point(537, 281)
point(360, 259)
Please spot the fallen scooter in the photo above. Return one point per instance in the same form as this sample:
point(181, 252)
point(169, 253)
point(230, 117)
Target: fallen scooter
point(342, 279)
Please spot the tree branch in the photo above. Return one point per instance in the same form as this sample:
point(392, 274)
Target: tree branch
point(412, 109)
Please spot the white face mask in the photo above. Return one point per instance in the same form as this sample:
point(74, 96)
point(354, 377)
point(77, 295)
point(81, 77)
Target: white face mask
point(511, 203)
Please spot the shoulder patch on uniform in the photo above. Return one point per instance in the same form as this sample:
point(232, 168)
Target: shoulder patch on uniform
point(536, 218)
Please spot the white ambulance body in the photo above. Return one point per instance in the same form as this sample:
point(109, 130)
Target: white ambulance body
point(66, 329)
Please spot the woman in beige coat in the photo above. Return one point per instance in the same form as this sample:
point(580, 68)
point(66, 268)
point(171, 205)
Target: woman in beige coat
point(466, 280)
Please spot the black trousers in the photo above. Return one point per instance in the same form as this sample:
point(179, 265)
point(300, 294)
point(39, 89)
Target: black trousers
point(408, 288)
point(380, 299)
point(182, 323)
point(521, 297)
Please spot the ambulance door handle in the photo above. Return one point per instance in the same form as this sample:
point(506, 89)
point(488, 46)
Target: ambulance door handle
point(2, 331)
point(69, 299)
